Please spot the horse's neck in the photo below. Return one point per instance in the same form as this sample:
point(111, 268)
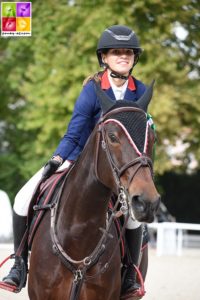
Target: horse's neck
point(84, 198)
point(83, 207)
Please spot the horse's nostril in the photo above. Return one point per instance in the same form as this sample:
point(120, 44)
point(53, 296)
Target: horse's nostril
point(138, 203)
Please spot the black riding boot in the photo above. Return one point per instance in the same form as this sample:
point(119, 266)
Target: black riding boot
point(18, 273)
point(134, 242)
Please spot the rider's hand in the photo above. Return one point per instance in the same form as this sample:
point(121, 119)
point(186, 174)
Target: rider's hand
point(51, 166)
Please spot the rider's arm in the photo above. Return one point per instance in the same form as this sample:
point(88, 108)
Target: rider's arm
point(80, 124)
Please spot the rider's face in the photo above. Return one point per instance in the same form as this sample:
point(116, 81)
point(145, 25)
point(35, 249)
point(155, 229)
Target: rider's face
point(119, 60)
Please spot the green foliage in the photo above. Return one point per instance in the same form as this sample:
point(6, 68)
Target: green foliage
point(41, 76)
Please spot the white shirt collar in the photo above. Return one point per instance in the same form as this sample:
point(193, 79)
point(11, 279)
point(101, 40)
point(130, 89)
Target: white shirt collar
point(120, 91)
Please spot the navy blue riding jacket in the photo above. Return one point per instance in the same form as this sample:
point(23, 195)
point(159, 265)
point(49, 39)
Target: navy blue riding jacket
point(87, 112)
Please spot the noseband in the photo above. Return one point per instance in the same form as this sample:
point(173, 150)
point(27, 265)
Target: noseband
point(141, 161)
point(79, 268)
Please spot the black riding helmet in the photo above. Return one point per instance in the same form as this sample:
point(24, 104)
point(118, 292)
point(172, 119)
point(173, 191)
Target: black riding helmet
point(116, 37)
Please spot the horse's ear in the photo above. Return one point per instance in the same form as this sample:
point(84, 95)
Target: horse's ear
point(105, 101)
point(145, 99)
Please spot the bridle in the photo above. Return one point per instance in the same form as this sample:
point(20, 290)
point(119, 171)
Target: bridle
point(142, 160)
point(79, 268)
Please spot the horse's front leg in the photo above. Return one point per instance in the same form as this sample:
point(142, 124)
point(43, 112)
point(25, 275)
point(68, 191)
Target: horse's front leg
point(47, 274)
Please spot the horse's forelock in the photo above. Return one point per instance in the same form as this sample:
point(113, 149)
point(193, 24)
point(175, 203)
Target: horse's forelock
point(134, 122)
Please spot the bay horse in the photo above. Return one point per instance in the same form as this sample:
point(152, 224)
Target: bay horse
point(75, 253)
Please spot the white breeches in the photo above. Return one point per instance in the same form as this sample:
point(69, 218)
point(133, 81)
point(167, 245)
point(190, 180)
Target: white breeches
point(24, 196)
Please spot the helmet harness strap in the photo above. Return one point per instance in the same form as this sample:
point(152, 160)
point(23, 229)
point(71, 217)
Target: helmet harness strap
point(114, 74)
point(118, 37)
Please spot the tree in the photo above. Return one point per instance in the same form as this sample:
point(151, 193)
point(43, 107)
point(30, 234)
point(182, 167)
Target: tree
point(42, 76)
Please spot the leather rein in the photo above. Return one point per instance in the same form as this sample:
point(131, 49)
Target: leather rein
point(80, 267)
point(142, 160)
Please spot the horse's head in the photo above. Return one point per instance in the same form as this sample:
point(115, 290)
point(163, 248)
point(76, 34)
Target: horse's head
point(127, 141)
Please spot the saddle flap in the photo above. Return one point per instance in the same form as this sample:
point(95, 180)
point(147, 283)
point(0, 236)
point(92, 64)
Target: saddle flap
point(44, 195)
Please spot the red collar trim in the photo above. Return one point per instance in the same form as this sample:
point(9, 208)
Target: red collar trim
point(131, 84)
point(105, 84)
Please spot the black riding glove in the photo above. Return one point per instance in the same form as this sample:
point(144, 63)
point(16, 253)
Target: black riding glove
point(50, 168)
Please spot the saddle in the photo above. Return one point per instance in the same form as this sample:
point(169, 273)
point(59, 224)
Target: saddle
point(45, 196)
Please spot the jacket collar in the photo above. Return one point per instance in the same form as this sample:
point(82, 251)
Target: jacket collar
point(105, 84)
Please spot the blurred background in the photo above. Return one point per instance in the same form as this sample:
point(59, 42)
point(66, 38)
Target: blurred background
point(40, 78)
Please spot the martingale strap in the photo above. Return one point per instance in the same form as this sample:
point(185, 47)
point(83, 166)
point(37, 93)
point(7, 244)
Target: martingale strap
point(79, 268)
point(77, 284)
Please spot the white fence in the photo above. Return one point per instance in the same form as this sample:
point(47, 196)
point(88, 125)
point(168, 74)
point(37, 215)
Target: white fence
point(5, 217)
point(169, 238)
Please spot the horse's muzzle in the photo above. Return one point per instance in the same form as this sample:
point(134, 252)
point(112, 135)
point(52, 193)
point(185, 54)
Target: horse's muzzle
point(144, 210)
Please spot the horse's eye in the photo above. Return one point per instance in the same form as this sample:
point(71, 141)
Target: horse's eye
point(113, 138)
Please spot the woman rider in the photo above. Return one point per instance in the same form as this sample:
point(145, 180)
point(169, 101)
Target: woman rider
point(118, 51)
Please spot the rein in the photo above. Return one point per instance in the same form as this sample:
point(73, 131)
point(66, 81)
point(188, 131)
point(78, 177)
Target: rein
point(79, 268)
point(86, 263)
point(142, 160)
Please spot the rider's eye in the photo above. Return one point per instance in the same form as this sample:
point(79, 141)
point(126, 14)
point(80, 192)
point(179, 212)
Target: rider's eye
point(129, 52)
point(115, 52)
point(118, 52)
point(113, 138)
